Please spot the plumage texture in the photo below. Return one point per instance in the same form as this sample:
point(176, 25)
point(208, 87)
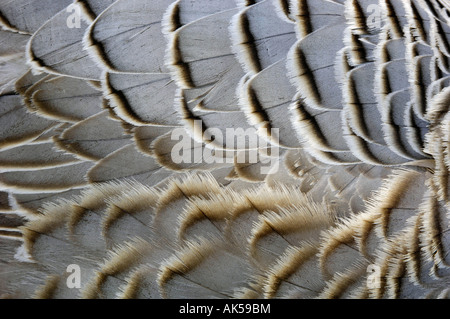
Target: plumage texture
point(336, 185)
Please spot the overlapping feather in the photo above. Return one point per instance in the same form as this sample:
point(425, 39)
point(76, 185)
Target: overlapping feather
point(348, 196)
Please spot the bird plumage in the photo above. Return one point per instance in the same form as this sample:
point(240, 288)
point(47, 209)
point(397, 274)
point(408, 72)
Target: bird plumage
point(335, 183)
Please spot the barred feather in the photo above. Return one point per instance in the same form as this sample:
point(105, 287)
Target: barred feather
point(225, 149)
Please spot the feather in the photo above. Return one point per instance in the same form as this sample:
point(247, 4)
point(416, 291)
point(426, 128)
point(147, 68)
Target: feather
point(224, 149)
point(66, 56)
